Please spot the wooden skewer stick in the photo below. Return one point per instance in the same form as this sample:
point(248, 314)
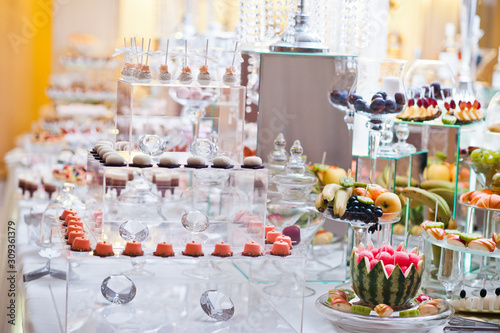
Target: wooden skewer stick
point(206, 54)
point(147, 54)
point(166, 52)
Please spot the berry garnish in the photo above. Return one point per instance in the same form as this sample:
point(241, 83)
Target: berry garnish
point(482, 293)
point(477, 105)
point(453, 105)
point(497, 291)
point(447, 106)
point(419, 103)
point(463, 293)
point(411, 102)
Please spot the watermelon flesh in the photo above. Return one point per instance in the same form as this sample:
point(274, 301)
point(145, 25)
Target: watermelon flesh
point(393, 282)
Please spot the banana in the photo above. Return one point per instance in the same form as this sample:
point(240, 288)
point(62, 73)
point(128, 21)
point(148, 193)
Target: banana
point(447, 194)
point(429, 199)
point(320, 203)
point(436, 183)
point(442, 204)
point(329, 192)
point(340, 202)
point(403, 181)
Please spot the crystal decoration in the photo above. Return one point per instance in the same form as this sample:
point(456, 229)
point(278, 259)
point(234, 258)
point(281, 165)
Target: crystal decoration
point(278, 154)
point(217, 305)
point(204, 148)
point(152, 145)
point(195, 221)
point(118, 289)
point(133, 230)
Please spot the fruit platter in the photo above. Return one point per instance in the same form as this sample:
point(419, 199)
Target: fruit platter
point(460, 241)
point(421, 109)
point(361, 205)
point(385, 282)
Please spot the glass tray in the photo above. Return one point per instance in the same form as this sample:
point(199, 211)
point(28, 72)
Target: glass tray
point(444, 244)
point(476, 207)
point(386, 218)
point(373, 323)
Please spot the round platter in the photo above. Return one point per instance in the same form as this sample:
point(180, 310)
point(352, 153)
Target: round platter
point(444, 244)
point(373, 323)
point(476, 207)
point(386, 218)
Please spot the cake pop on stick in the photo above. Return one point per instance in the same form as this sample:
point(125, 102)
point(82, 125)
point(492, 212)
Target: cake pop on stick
point(229, 77)
point(145, 74)
point(138, 66)
point(186, 77)
point(165, 76)
point(127, 70)
point(204, 77)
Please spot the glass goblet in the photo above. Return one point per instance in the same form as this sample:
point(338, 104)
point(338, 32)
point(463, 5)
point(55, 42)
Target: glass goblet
point(342, 82)
point(379, 95)
point(450, 272)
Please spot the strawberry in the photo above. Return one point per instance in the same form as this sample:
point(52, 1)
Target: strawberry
point(453, 105)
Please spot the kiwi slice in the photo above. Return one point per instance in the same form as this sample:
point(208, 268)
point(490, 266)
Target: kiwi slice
point(410, 313)
point(360, 309)
point(469, 237)
point(452, 232)
point(346, 181)
point(365, 200)
point(434, 225)
point(349, 293)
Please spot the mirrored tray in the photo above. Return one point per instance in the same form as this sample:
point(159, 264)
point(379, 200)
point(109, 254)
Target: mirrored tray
point(444, 244)
point(386, 218)
point(373, 323)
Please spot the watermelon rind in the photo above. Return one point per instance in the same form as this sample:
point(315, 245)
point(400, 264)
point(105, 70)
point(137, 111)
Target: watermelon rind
point(374, 287)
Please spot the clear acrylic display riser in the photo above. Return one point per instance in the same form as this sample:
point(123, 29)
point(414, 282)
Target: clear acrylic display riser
point(233, 201)
point(168, 294)
point(180, 113)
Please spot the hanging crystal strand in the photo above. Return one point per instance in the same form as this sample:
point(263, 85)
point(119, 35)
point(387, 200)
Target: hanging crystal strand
point(348, 26)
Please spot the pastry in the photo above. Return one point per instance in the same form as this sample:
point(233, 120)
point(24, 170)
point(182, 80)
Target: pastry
point(193, 249)
point(280, 248)
point(164, 250)
point(103, 249)
point(251, 250)
point(222, 250)
point(81, 244)
point(133, 249)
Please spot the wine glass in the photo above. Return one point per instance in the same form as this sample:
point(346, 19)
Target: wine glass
point(450, 272)
point(379, 95)
point(343, 80)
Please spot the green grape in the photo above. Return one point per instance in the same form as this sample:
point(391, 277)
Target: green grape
point(486, 154)
point(490, 159)
point(497, 154)
point(475, 155)
point(484, 160)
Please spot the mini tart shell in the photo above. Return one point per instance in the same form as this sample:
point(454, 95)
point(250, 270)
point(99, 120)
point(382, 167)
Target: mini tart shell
point(230, 254)
point(133, 254)
point(196, 254)
point(249, 254)
point(103, 255)
point(164, 255)
point(80, 250)
point(280, 254)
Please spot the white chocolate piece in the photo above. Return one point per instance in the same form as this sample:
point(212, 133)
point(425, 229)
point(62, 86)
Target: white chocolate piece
point(105, 155)
point(252, 161)
point(196, 161)
point(142, 159)
point(103, 150)
point(120, 145)
point(115, 159)
point(104, 142)
point(168, 161)
point(222, 162)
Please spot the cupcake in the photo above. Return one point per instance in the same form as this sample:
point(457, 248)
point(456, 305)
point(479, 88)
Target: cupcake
point(193, 249)
point(133, 249)
point(164, 250)
point(103, 249)
point(251, 250)
point(81, 244)
point(222, 250)
point(280, 248)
